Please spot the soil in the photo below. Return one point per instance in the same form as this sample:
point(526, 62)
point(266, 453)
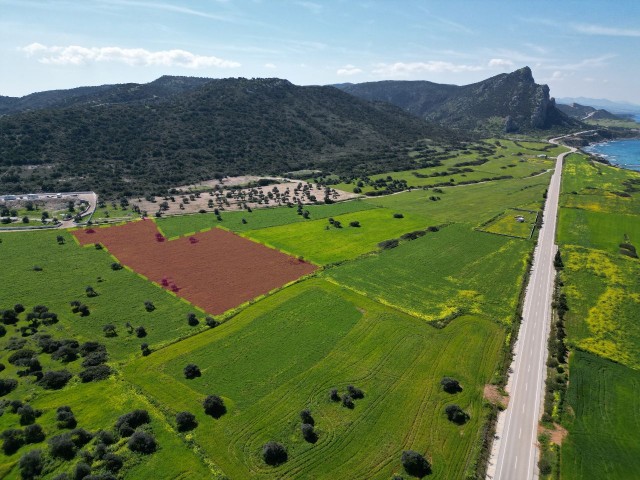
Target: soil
point(492, 393)
point(556, 435)
point(215, 270)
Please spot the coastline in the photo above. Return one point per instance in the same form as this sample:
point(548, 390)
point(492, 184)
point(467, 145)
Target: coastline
point(615, 159)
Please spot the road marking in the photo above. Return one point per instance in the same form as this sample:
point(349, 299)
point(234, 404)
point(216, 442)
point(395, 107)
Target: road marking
point(520, 434)
point(526, 387)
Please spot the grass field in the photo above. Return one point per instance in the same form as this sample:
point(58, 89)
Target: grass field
point(322, 245)
point(258, 218)
point(603, 439)
point(506, 224)
point(285, 354)
point(599, 230)
point(450, 272)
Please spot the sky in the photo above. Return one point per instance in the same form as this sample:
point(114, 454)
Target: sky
point(579, 48)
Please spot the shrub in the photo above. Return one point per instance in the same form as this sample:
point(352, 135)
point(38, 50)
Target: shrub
point(211, 322)
point(9, 317)
point(65, 417)
point(94, 358)
point(54, 379)
point(308, 434)
point(65, 354)
point(214, 406)
point(387, 244)
point(450, 385)
point(355, 393)
point(81, 471)
point(3, 331)
point(398, 215)
point(31, 465)
point(455, 414)
point(130, 421)
point(192, 320)
point(148, 306)
point(27, 414)
point(355, 224)
point(12, 440)
point(274, 453)
point(415, 464)
point(7, 385)
point(80, 437)
point(33, 434)
point(145, 349)
point(305, 416)
point(347, 401)
point(191, 371)
point(21, 358)
point(91, 347)
point(93, 374)
point(141, 332)
point(186, 421)
point(333, 395)
point(18, 308)
point(61, 446)
point(112, 462)
point(545, 466)
point(109, 331)
point(116, 266)
point(142, 442)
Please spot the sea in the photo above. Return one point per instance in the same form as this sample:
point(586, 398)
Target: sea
point(623, 153)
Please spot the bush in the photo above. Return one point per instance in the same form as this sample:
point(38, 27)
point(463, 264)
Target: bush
point(347, 401)
point(450, 385)
point(387, 244)
point(211, 322)
point(308, 434)
point(116, 266)
point(355, 224)
point(54, 379)
point(21, 358)
point(274, 453)
point(91, 347)
point(80, 437)
point(27, 414)
point(305, 416)
point(31, 465)
point(33, 434)
point(81, 471)
point(109, 331)
point(191, 371)
point(106, 437)
point(95, 358)
point(12, 440)
point(148, 306)
point(398, 215)
point(65, 354)
point(545, 466)
point(3, 331)
point(61, 446)
point(333, 395)
point(65, 417)
point(214, 406)
point(142, 442)
point(7, 385)
point(192, 320)
point(112, 462)
point(455, 414)
point(128, 422)
point(186, 421)
point(415, 464)
point(93, 374)
point(144, 347)
point(354, 392)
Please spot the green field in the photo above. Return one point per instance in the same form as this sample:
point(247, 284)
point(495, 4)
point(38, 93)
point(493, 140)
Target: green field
point(603, 439)
point(507, 223)
point(285, 354)
point(446, 273)
point(322, 243)
point(599, 230)
point(259, 218)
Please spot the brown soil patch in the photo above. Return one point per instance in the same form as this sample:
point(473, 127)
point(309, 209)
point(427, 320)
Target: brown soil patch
point(492, 393)
point(215, 270)
point(556, 435)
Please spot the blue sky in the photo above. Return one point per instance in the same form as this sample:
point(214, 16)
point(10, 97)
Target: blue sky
point(582, 48)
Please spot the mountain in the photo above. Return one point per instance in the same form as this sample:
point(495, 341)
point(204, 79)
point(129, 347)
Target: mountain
point(508, 102)
point(602, 103)
point(583, 112)
point(160, 89)
point(134, 144)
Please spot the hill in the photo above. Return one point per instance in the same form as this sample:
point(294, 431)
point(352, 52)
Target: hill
point(160, 89)
point(135, 144)
point(507, 102)
point(583, 112)
point(603, 103)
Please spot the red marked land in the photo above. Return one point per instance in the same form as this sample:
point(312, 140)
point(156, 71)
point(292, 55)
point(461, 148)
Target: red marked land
point(215, 270)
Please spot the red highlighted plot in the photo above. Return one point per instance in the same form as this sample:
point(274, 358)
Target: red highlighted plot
point(215, 270)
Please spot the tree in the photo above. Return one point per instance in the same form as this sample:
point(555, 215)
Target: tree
point(80, 437)
point(65, 354)
point(145, 349)
point(54, 379)
point(12, 440)
point(557, 261)
point(7, 385)
point(186, 421)
point(355, 392)
point(112, 462)
point(274, 453)
point(347, 401)
point(415, 464)
point(355, 224)
point(141, 332)
point(61, 446)
point(18, 308)
point(450, 385)
point(81, 471)
point(191, 371)
point(148, 306)
point(308, 433)
point(128, 422)
point(333, 395)
point(109, 331)
point(27, 414)
point(192, 320)
point(65, 417)
point(106, 437)
point(93, 374)
point(305, 416)
point(211, 322)
point(31, 464)
point(142, 442)
point(33, 433)
point(455, 414)
point(214, 406)
point(116, 266)
point(59, 238)
point(398, 215)
point(90, 292)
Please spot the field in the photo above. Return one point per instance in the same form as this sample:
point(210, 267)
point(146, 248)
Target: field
point(507, 223)
point(321, 243)
point(603, 296)
point(604, 425)
point(258, 218)
point(443, 274)
point(215, 270)
point(285, 354)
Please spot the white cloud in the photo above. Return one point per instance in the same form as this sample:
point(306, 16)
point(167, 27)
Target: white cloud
point(500, 63)
point(77, 55)
point(401, 69)
point(587, 63)
point(607, 31)
point(311, 6)
point(348, 70)
point(270, 65)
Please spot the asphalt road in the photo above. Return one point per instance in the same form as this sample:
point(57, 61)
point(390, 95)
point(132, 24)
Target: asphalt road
point(515, 454)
